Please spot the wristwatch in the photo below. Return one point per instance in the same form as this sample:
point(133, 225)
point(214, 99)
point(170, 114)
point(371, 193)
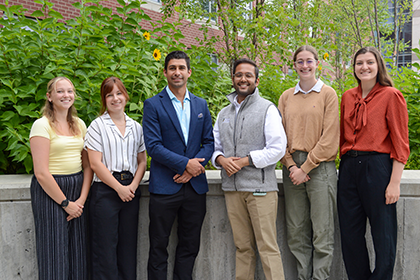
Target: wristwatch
point(64, 203)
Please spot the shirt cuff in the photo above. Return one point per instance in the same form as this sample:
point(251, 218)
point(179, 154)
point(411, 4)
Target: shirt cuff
point(288, 161)
point(213, 159)
point(307, 166)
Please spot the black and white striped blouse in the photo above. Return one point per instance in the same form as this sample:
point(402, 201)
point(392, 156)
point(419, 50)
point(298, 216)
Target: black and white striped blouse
point(119, 152)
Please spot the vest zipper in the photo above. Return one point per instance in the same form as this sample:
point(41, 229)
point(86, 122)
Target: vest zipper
point(242, 127)
point(234, 149)
point(263, 175)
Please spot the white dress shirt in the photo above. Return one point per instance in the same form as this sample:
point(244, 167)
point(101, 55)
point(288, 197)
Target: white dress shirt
point(119, 152)
point(275, 140)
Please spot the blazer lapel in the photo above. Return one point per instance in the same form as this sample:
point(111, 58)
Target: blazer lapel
point(169, 108)
point(193, 117)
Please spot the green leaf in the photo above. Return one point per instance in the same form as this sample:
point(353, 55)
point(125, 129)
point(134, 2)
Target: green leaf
point(7, 115)
point(55, 14)
point(37, 14)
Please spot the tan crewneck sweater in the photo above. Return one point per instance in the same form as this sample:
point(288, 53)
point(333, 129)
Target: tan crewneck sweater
point(311, 123)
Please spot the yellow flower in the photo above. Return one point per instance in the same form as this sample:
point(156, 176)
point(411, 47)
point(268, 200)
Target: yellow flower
point(319, 67)
point(156, 54)
point(326, 56)
point(146, 35)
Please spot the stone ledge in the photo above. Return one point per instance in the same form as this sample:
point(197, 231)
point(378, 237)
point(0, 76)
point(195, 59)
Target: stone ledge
point(16, 187)
point(216, 259)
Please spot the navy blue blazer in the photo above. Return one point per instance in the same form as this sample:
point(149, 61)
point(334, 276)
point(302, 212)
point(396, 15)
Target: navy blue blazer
point(166, 145)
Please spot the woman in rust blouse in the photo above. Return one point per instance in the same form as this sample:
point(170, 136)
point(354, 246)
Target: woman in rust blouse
point(374, 148)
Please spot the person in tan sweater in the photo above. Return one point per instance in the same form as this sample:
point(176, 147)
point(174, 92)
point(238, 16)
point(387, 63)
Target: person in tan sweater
point(311, 121)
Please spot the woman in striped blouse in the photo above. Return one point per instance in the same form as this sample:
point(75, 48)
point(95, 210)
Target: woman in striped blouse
point(117, 156)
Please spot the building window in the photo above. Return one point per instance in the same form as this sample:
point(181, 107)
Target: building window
point(208, 6)
point(404, 36)
point(214, 60)
point(248, 11)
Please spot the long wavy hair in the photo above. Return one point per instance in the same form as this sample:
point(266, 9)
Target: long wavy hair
point(382, 77)
point(48, 110)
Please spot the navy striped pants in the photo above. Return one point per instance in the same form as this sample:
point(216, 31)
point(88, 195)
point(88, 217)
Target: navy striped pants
point(60, 245)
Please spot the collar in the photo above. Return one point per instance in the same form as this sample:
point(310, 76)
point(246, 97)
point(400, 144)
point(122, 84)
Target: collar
point(317, 87)
point(359, 114)
point(233, 97)
point(108, 121)
point(173, 97)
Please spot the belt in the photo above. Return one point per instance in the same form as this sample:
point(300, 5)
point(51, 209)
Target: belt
point(353, 153)
point(124, 175)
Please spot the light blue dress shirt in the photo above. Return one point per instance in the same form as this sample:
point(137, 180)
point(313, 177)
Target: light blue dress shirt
point(183, 113)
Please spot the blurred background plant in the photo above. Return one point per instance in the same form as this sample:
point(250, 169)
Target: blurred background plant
point(100, 43)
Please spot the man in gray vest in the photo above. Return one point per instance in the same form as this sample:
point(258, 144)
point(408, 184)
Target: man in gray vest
point(249, 141)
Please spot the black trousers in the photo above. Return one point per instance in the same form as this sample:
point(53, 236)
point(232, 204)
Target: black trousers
point(61, 246)
point(163, 209)
point(361, 195)
point(114, 230)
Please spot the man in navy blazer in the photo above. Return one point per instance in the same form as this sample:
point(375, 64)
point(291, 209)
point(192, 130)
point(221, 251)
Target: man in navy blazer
point(178, 135)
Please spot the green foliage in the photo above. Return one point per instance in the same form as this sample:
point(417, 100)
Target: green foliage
point(100, 43)
point(86, 49)
point(407, 80)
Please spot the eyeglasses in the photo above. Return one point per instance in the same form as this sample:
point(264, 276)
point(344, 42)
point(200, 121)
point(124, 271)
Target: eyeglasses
point(239, 75)
point(309, 62)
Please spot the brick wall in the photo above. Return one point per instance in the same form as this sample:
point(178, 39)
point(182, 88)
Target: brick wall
point(190, 31)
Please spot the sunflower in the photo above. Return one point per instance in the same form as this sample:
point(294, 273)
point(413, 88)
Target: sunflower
point(156, 54)
point(326, 56)
point(319, 67)
point(146, 35)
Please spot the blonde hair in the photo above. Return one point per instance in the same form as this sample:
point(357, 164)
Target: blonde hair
point(48, 110)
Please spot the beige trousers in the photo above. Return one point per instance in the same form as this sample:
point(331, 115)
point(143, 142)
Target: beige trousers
point(253, 221)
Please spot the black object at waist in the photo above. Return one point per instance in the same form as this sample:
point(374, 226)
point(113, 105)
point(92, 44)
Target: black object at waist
point(123, 175)
point(353, 153)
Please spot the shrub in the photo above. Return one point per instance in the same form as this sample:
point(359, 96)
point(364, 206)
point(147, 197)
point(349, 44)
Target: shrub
point(86, 49)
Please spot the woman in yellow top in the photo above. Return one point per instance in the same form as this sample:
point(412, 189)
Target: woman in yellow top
point(310, 119)
point(59, 187)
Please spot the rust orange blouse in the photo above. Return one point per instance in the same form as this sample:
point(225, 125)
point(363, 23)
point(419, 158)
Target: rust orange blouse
point(377, 123)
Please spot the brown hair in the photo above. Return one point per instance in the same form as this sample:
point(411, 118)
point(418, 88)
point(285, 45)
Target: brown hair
point(305, 48)
point(382, 77)
point(107, 86)
point(48, 110)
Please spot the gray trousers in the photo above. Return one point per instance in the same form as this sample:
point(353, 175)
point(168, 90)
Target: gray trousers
point(310, 210)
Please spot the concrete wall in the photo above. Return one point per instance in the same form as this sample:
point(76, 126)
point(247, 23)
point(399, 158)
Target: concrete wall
point(217, 255)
